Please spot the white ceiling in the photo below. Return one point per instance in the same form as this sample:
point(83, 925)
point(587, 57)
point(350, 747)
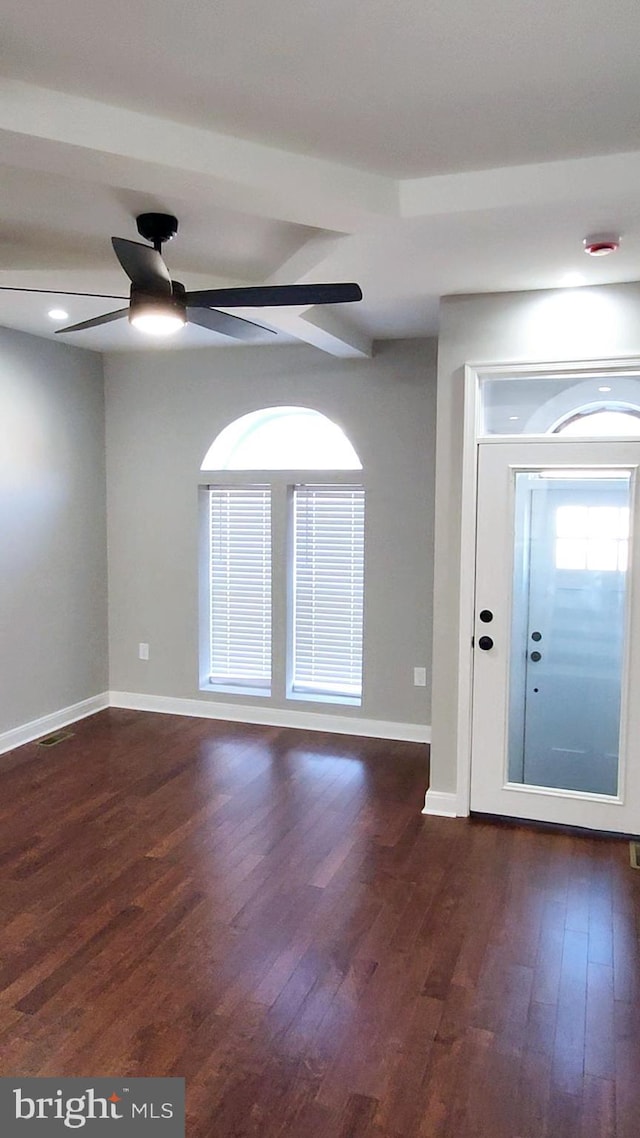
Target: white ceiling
point(421, 149)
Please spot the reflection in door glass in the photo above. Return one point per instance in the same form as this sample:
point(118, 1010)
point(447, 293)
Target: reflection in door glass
point(568, 629)
point(592, 537)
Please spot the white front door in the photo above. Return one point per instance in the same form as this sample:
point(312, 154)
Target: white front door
point(556, 693)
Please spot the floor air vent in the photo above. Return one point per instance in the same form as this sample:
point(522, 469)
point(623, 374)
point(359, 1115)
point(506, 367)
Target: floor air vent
point(53, 740)
point(634, 854)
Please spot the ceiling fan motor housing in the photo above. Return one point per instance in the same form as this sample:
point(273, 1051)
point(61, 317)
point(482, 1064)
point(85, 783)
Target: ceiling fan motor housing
point(157, 227)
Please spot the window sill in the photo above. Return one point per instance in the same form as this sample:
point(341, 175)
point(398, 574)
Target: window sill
point(235, 689)
point(325, 697)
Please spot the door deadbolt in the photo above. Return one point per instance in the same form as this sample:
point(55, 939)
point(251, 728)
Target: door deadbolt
point(535, 656)
point(485, 642)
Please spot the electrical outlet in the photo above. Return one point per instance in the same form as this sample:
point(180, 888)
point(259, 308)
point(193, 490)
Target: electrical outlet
point(143, 651)
point(420, 677)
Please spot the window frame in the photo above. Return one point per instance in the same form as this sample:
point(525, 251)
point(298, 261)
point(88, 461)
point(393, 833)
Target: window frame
point(281, 483)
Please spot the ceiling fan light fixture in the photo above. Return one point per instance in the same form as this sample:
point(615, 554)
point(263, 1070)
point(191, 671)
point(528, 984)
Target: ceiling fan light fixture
point(157, 323)
point(157, 317)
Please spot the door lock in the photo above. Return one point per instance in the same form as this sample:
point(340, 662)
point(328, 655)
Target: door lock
point(485, 642)
point(535, 656)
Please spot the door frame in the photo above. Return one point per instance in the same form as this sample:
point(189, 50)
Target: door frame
point(474, 373)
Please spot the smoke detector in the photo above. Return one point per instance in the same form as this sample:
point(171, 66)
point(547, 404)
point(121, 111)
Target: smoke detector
point(601, 244)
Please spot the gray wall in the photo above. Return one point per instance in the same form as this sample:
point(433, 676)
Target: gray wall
point(53, 573)
point(548, 326)
point(163, 411)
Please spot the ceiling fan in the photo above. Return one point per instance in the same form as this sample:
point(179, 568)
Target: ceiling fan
point(160, 305)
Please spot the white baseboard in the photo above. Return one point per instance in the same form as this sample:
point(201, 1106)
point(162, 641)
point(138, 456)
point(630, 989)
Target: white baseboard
point(272, 716)
point(206, 709)
point(437, 802)
point(18, 736)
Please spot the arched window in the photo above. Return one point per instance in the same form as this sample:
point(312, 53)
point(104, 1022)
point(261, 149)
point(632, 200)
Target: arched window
point(282, 438)
point(308, 643)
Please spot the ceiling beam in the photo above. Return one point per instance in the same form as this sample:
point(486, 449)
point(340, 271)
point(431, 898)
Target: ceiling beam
point(49, 130)
point(571, 180)
point(303, 265)
point(328, 330)
point(322, 327)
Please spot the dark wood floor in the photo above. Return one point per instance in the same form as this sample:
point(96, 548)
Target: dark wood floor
point(266, 913)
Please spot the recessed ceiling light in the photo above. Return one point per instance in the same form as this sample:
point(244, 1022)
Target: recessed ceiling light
point(58, 314)
point(601, 244)
point(604, 389)
point(513, 418)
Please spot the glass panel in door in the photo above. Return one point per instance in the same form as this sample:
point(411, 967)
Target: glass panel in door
point(568, 629)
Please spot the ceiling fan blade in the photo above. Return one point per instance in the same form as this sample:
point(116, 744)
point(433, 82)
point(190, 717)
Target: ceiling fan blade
point(274, 295)
point(143, 265)
point(227, 325)
point(62, 292)
point(97, 320)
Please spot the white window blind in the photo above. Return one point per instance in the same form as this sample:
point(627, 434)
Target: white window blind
point(328, 589)
point(240, 529)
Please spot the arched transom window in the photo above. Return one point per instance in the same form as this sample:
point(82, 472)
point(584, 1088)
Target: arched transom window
point(282, 438)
